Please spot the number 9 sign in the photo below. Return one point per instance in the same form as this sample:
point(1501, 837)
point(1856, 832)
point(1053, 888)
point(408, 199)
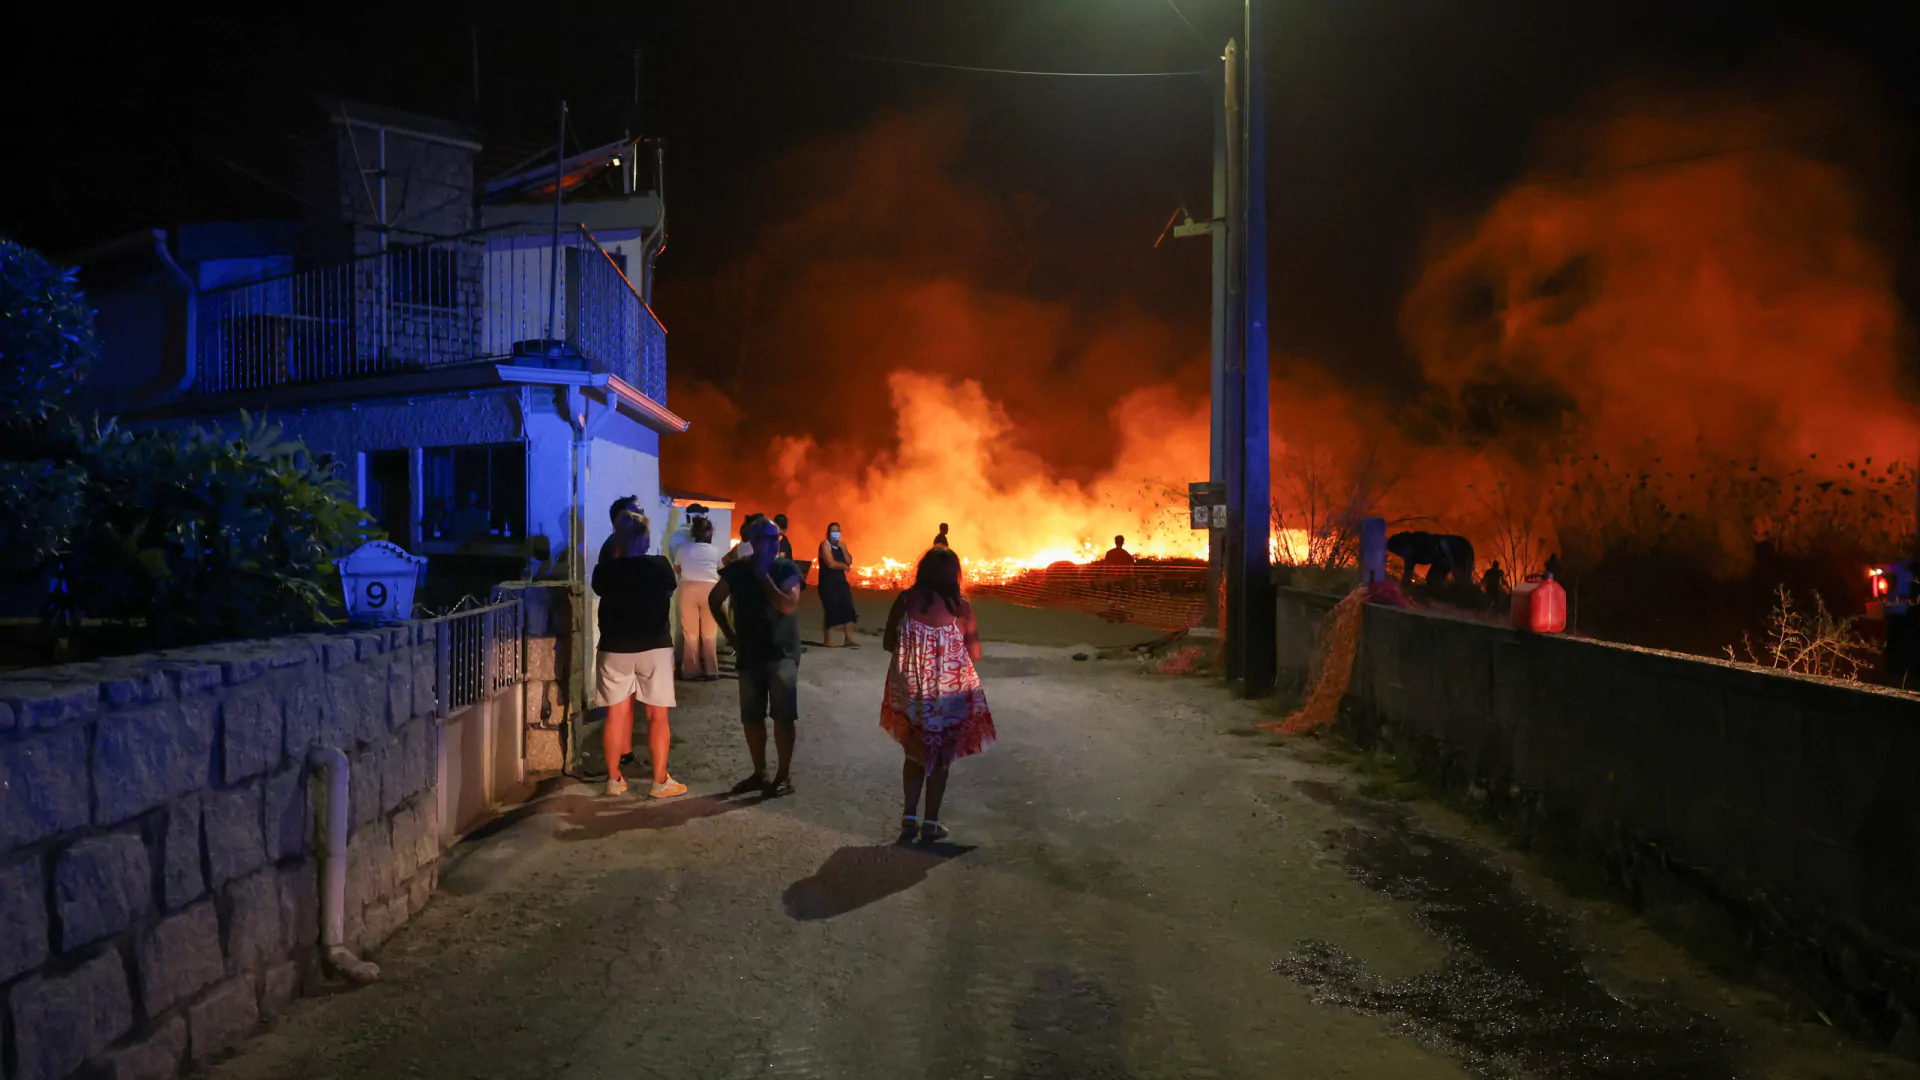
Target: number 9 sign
point(378, 581)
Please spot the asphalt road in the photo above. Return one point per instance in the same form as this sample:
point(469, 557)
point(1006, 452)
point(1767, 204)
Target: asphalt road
point(1139, 885)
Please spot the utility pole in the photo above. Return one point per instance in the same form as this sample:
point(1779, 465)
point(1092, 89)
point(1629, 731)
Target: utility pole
point(1240, 552)
point(1258, 634)
point(1231, 407)
point(1219, 231)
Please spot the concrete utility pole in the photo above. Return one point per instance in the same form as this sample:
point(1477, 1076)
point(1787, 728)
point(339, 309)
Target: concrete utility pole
point(1240, 393)
point(1217, 227)
point(1229, 408)
point(1259, 661)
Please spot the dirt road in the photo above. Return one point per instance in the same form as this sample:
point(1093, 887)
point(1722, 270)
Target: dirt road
point(1139, 885)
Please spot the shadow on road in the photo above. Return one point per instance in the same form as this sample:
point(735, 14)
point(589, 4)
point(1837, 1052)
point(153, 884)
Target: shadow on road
point(588, 817)
point(593, 817)
point(854, 877)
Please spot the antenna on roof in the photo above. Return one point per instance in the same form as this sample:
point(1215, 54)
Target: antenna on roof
point(473, 32)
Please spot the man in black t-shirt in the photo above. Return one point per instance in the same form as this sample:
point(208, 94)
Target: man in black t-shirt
point(765, 590)
point(635, 656)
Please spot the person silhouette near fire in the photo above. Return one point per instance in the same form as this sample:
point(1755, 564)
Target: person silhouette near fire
point(1494, 584)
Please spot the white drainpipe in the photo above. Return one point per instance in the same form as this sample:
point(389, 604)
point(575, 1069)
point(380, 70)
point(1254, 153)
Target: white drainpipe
point(333, 913)
point(190, 369)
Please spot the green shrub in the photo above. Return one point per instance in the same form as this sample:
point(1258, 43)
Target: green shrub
point(198, 534)
point(167, 537)
point(46, 338)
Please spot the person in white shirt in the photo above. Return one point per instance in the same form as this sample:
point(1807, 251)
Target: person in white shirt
point(682, 534)
point(698, 563)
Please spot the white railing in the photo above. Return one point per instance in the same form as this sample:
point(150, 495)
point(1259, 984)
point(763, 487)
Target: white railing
point(480, 651)
point(488, 295)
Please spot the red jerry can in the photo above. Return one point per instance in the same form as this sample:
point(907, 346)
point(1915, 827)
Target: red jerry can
point(1540, 606)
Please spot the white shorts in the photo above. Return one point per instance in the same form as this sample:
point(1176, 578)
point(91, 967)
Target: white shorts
point(645, 675)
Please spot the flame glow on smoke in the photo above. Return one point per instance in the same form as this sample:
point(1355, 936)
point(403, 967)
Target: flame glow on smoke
point(1701, 353)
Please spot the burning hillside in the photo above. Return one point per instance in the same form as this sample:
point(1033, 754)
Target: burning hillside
point(1680, 336)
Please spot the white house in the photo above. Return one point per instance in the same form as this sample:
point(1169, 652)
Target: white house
point(489, 381)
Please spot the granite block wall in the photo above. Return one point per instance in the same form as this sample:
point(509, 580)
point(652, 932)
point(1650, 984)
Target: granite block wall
point(159, 862)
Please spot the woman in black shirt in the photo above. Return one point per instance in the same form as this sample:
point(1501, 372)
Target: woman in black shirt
point(635, 657)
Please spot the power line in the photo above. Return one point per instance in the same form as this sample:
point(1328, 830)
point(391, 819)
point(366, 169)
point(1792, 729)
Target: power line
point(257, 178)
point(1012, 71)
point(1573, 178)
point(1189, 22)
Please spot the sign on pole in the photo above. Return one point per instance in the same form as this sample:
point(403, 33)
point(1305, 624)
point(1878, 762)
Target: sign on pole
point(1207, 505)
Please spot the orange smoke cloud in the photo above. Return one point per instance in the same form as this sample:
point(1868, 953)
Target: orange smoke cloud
point(1599, 352)
point(1699, 335)
point(895, 370)
point(1731, 302)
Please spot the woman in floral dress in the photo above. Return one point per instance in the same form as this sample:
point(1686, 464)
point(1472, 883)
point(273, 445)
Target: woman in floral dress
point(934, 706)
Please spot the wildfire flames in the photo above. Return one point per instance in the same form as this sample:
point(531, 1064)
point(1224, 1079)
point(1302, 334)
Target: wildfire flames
point(1699, 354)
point(891, 573)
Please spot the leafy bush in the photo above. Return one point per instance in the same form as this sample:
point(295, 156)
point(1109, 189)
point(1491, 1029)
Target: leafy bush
point(46, 337)
point(169, 537)
point(199, 534)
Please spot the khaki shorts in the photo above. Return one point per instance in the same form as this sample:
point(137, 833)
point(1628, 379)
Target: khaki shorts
point(644, 675)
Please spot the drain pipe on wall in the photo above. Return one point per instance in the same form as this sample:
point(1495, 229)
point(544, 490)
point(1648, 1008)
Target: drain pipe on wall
point(190, 369)
point(333, 896)
point(587, 425)
point(655, 243)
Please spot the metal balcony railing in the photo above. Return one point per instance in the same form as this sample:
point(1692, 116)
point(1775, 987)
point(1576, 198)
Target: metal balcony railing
point(488, 295)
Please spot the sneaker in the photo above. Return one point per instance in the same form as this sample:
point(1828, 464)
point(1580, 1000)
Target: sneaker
point(668, 789)
point(616, 786)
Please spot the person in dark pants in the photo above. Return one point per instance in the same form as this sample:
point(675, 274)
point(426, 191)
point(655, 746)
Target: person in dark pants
point(765, 636)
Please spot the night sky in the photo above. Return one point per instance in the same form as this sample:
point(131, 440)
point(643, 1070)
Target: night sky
point(1387, 118)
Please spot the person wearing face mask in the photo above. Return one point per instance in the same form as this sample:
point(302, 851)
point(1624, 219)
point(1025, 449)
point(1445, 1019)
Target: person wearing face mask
point(836, 596)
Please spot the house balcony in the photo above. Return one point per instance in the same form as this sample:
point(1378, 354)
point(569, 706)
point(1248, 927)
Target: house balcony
point(497, 295)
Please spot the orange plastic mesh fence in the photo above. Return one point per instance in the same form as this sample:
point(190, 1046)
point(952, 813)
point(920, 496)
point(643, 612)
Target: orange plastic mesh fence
point(1336, 646)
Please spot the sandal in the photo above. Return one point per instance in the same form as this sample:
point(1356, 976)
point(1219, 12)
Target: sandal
point(777, 787)
point(909, 828)
point(932, 832)
point(756, 782)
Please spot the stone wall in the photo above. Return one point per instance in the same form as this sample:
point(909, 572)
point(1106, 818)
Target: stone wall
point(553, 686)
point(159, 882)
point(1297, 615)
point(1769, 820)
